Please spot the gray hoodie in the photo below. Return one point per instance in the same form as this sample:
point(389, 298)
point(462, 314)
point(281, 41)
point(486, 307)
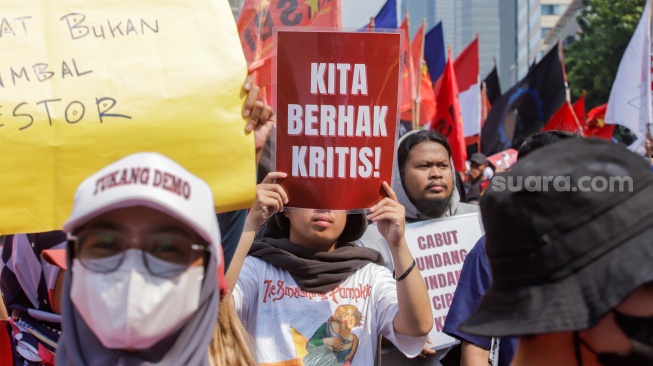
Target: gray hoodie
point(373, 239)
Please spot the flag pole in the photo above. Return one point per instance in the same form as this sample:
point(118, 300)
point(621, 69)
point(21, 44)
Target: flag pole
point(650, 123)
point(649, 152)
point(409, 66)
point(483, 113)
point(481, 100)
point(564, 71)
point(421, 73)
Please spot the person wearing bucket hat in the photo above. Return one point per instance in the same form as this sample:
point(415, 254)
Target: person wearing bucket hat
point(475, 279)
point(143, 253)
point(570, 253)
point(309, 296)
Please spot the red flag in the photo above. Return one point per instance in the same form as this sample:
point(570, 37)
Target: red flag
point(564, 119)
point(408, 77)
point(447, 119)
point(579, 109)
point(420, 82)
point(258, 18)
point(423, 89)
point(595, 125)
point(467, 68)
point(417, 53)
point(472, 140)
point(427, 104)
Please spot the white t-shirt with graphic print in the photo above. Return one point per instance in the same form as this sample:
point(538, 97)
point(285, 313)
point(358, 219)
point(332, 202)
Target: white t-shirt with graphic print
point(340, 327)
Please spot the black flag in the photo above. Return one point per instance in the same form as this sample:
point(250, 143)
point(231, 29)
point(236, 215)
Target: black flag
point(526, 107)
point(492, 85)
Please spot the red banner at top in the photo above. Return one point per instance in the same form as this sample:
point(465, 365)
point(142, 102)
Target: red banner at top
point(337, 108)
point(259, 17)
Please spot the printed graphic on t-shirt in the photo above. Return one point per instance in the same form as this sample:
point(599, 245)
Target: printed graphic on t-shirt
point(279, 290)
point(333, 344)
point(293, 326)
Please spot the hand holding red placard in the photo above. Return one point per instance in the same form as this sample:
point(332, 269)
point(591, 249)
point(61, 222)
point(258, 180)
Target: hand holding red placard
point(270, 198)
point(337, 97)
point(390, 217)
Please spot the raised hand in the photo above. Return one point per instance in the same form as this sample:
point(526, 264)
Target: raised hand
point(390, 217)
point(270, 199)
point(260, 117)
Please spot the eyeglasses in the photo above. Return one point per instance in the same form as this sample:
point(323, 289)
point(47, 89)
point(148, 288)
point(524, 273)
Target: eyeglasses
point(164, 255)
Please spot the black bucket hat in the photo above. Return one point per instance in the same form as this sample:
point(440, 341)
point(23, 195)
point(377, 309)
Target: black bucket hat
point(562, 257)
point(278, 226)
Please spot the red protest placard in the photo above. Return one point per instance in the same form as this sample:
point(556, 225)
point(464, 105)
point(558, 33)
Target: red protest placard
point(336, 98)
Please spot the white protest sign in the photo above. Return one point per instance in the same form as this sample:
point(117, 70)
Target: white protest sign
point(439, 248)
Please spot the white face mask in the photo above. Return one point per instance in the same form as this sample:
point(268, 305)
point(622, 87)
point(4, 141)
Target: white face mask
point(130, 308)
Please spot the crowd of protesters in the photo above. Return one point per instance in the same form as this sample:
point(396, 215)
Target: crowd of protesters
point(140, 276)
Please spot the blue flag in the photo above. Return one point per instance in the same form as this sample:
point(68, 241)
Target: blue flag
point(387, 16)
point(434, 52)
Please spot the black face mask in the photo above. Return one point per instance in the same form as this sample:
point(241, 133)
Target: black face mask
point(639, 331)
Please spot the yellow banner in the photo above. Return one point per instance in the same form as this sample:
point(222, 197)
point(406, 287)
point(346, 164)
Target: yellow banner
point(85, 83)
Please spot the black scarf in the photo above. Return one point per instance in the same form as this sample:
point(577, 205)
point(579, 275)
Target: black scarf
point(313, 270)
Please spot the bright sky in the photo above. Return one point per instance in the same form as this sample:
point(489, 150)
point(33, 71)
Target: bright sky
point(357, 13)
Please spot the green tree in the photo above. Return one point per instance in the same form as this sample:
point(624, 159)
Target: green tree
point(593, 60)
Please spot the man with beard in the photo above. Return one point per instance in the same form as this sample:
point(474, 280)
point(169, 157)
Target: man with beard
point(425, 185)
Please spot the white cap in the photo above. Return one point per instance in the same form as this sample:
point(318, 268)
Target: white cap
point(151, 180)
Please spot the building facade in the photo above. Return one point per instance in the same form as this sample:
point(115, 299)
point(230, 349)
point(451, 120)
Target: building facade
point(529, 35)
point(552, 10)
point(565, 29)
point(461, 20)
point(483, 19)
point(529, 28)
point(418, 11)
point(508, 43)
